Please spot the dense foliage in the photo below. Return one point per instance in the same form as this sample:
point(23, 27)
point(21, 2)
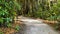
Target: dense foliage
point(49, 10)
point(41, 9)
point(51, 14)
point(8, 10)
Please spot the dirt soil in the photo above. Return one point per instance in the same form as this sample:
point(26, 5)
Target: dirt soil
point(11, 30)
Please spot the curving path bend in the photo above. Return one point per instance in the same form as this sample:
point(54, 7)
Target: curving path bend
point(33, 26)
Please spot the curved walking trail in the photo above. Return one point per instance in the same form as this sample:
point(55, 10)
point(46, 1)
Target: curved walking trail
point(36, 27)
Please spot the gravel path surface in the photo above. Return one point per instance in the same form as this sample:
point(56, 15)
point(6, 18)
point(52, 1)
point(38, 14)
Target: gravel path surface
point(33, 26)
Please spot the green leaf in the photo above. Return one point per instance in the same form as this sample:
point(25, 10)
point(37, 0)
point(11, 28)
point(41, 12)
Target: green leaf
point(1, 20)
point(17, 27)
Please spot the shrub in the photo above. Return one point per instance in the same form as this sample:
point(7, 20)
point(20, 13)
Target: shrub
point(7, 12)
point(17, 27)
point(49, 13)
